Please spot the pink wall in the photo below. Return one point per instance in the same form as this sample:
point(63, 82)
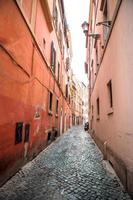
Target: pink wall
point(117, 66)
point(115, 125)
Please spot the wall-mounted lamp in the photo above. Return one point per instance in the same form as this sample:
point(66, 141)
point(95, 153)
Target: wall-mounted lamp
point(85, 27)
point(104, 23)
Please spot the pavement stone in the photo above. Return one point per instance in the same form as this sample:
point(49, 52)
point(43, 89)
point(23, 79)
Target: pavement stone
point(69, 169)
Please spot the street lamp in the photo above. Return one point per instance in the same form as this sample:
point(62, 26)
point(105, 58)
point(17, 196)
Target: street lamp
point(85, 27)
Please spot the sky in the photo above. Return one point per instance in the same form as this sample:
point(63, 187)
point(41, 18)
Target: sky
point(77, 11)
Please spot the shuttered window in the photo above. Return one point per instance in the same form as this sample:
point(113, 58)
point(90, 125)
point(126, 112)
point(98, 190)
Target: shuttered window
point(50, 100)
point(53, 57)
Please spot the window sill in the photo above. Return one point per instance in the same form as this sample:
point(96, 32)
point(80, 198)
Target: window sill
point(110, 111)
point(50, 112)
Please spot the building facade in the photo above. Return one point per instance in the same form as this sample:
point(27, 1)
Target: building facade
point(35, 59)
point(84, 96)
point(73, 99)
point(109, 60)
point(79, 101)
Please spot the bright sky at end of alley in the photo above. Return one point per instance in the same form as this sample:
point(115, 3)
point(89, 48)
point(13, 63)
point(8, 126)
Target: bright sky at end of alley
point(77, 11)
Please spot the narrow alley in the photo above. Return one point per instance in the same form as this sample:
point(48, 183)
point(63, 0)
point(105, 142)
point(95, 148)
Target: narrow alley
point(71, 168)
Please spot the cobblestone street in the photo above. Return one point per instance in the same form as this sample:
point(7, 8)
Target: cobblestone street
point(69, 169)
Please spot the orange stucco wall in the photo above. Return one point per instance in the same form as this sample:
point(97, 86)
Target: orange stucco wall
point(25, 79)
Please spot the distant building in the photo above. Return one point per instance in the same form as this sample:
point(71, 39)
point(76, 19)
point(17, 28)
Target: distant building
point(110, 72)
point(35, 60)
point(85, 96)
point(73, 99)
point(79, 101)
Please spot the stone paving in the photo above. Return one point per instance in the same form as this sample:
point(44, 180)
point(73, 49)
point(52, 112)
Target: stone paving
point(69, 169)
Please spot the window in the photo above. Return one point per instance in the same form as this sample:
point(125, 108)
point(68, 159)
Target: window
point(50, 100)
point(67, 63)
point(55, 15)
point(49, 136)
point(102, 4)
point(66, 90)
point(57, 106)
point(92, 74)
point(18, 132)
point(95, 6)
point(98, 107)
point(56, 19)
point(109, 86)
point(105, 19)
point(92, 63)
point(69, 99)
point(53, 57)
point(86, 68)
point(44, 43)
point(27, 132)
point(97, 61)
point(58, 75)
point(60, 36)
